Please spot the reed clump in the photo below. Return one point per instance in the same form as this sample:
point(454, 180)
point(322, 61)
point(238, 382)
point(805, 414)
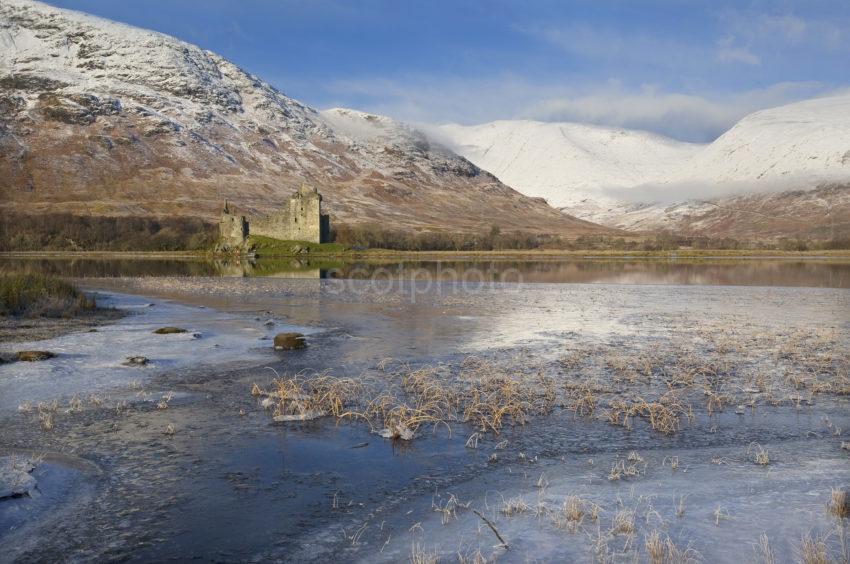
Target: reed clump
point(37, 295)
point(302, 399)
point(663, 414)
point(839, 503)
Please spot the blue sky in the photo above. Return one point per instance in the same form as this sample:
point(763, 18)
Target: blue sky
point(686, 68)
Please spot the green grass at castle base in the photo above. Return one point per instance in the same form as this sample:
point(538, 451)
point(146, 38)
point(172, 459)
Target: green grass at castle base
point(266, 246)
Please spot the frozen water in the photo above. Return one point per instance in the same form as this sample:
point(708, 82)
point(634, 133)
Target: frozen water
point(91, 362)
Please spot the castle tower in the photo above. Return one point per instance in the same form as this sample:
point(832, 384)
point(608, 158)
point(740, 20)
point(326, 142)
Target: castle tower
point(232, 228)
point(305, 216)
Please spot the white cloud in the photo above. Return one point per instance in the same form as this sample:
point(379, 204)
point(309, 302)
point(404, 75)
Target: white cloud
point(727, 52)
point(595, 43)
point(688, 116)
point(773, 32)
point(737, 55)
point(792, 28)
point(681, 115)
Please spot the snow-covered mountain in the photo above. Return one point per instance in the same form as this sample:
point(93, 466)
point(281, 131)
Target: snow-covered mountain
point(640, 181)
point(795, 145)
point(571, 165)
point(103, 118)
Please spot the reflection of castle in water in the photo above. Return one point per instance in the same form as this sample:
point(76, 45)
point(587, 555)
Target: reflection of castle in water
point(293, 269)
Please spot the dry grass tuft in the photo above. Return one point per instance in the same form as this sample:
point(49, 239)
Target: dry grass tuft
point(419, 555)
point(573, 508)
point(448, 509)
point(660, 551)
point(37, 295)
point(763, 552)
point(294, 399)
point(622, 470)
point(624, 522)
point(473, 558)
point(514, 506)
point(654, 547)
point(46, 420)
point(839, 503)
point(75, 405)
point(760, 454)
point(583, 401)
point(482, 394)
point(663, 415)
point(813, 550)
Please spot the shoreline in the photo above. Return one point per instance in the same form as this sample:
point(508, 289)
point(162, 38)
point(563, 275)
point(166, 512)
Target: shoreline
point(385, 254)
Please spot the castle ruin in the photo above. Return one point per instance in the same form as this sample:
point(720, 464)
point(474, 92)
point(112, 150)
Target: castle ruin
point(301, 220)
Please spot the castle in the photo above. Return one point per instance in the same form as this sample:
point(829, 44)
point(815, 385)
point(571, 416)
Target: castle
point(301, 220)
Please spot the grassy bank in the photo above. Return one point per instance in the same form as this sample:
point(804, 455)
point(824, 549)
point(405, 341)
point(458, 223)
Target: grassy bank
point(35, 295)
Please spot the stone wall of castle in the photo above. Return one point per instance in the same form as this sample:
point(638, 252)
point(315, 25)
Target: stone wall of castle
point(301, 219)
point(232, 228)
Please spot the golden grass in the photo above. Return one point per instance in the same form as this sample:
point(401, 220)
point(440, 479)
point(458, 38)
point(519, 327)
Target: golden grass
point(514, 506)
point(654, 547)
point(664, 551)
point(583, 401)
point(659, 387)
point(475, 557)
point(623, 522)
point(663, 414)
point(573, 509)
point(46, 420)
point(839, 503)
point(299, 399)
point(481, 394)
point(813, 550)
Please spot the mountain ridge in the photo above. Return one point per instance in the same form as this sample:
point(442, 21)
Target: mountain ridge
point(101, 118)
point(650, 182)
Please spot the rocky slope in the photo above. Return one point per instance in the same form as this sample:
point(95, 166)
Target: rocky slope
point(106, 119)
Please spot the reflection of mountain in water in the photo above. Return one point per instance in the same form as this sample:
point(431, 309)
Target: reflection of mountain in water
point(710, 271)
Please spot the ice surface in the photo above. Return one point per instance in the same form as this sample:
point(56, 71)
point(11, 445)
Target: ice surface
point(728, 503)
point(91, 362)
